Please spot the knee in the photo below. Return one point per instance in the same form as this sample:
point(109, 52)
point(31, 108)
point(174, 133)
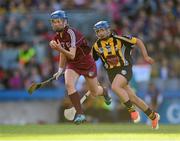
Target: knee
point(114, 87)
point(94, 93)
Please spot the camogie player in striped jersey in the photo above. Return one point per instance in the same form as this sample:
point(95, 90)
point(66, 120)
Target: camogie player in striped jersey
point(76, 59)
point(115, 53)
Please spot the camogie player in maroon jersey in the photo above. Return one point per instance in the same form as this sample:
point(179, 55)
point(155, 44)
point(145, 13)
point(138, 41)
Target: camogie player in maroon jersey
point(76, 59)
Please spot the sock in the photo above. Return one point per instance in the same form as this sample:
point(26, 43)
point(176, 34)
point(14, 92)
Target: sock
point(129, 106)
point(151, 114)
point(75, 99)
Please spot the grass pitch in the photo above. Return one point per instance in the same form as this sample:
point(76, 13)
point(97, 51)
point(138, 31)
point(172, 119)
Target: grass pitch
point(90, 132)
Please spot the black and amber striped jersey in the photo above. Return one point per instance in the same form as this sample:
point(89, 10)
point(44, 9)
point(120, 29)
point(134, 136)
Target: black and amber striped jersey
point(115, 51)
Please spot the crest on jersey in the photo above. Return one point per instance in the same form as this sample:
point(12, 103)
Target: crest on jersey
point(91, 74)
point(108, 48)
point(123, 72)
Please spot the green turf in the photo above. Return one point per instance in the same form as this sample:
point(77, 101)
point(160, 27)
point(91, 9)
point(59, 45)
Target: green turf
point(90, 132)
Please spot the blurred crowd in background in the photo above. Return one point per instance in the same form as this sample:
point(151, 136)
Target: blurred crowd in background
point(25, 33)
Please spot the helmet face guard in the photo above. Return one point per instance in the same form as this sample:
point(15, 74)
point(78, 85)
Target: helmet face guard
point(58, 15)
point(102, 25)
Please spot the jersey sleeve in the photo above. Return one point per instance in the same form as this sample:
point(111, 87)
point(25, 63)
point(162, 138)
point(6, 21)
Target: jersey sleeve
point(94, 52)
point(128, 40)
point(73, 37)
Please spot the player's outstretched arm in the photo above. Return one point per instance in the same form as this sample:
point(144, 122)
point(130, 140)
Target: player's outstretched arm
point(141, 45)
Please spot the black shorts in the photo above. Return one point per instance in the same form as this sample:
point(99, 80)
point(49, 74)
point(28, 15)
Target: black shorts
point(125, 71)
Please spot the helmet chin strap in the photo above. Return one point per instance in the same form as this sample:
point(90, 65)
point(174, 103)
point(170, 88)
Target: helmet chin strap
point(59, 30)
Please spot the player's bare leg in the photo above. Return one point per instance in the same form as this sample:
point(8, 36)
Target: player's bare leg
point(155, 117)
point(135, 99)
point(70, 80)
point(97, 90)
point(118, 86)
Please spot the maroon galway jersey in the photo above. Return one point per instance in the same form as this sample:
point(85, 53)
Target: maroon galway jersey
point(73, 38)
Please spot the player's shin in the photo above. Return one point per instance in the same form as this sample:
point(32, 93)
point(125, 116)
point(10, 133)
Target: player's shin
point(150, 113)
point(130, 107)
point(70, 113)
point(75, 99)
